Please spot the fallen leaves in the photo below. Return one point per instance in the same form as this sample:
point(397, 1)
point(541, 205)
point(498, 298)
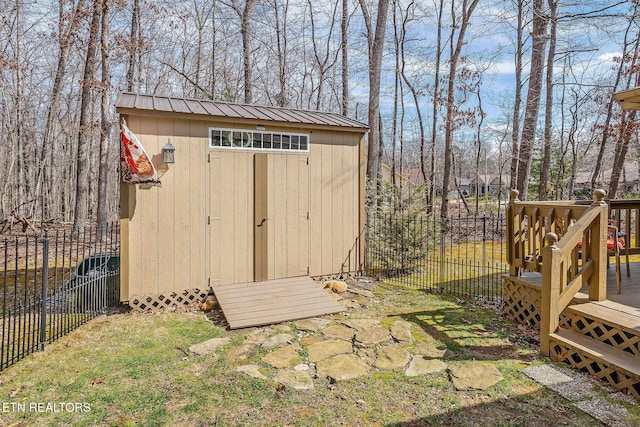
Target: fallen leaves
point(15, 391)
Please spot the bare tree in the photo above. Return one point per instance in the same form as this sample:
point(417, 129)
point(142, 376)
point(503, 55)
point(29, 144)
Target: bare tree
point(548, 116)
point(244, 12)
point(81, 209)
point(134, 45)
point(376, 45)
point(345, 57)
point(105, 119)
point(437, 105)
point(515, 127)
point(467, 8)
point(532, 106)
point(610, 102)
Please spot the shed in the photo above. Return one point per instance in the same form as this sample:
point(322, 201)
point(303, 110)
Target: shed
point(255, 194)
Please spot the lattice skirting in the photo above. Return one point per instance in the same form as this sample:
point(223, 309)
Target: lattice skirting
point(607, 333)
point(522, 301)
point(618, 378)
point(170, 300)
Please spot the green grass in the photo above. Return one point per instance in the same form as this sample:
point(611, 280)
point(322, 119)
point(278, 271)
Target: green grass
point(136, 370)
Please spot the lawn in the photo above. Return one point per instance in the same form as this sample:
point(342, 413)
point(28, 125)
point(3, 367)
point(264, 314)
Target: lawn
point(127, 369)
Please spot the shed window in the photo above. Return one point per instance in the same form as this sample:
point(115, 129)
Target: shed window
point(243, 139)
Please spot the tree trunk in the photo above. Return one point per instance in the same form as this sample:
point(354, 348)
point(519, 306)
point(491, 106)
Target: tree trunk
point(105, 119)
point(534, 91)
point(548, 115)
point(81, 209)
point(467, 11)
point(246, 50)
point(134, 45)
point(515, 130)
point(437, 104)
point(345, 57)
point(607, 122)
point(376, 45)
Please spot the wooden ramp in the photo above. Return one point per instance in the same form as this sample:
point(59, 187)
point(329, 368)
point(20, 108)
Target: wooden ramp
point(274, 301)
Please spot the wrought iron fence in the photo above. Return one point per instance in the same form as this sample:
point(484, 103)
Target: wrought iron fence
point(53, 282)
point(462, 256)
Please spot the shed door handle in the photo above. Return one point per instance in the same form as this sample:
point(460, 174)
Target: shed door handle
point(263, 221)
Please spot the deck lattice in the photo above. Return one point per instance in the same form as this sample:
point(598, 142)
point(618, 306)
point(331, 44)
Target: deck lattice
point(274, 301)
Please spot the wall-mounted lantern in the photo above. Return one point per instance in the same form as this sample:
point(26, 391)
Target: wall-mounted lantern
point(168, 152)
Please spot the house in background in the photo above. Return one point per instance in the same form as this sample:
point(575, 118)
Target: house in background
point(255, 194)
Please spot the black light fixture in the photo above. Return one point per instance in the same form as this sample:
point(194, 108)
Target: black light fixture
point(168, 152)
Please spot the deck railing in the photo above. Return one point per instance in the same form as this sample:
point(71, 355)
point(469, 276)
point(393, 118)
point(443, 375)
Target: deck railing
point(566, 243)
point(626, 213)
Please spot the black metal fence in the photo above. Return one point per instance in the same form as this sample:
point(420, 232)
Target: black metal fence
point(462, 256)
point(53, 282)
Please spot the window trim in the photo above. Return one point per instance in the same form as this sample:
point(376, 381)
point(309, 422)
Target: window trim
point(290, 136)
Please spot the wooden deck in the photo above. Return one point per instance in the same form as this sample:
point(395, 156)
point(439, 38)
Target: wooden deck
point(274, 301)
point(628, 301)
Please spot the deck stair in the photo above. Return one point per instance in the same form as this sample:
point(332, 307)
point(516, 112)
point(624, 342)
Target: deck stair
point(604, 341)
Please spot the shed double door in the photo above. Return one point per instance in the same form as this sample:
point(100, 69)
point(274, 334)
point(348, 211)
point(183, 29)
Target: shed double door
point(259, 223)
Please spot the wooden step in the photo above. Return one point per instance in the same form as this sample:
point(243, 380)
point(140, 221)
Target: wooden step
point(599, 352)
point(607, 315)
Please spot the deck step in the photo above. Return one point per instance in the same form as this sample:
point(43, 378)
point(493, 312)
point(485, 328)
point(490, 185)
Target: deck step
point(600, 351)
point(602, 313)
point(620, 368)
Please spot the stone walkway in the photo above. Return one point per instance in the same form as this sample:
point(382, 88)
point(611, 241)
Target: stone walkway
point(304, 350)
point(339, 349)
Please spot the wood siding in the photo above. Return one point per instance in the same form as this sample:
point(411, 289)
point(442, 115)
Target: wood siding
point(198, 228)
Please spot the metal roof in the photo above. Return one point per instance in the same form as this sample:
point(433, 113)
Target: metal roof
point(227, 110)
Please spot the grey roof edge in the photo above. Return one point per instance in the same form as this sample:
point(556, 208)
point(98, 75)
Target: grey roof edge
point(136, 101)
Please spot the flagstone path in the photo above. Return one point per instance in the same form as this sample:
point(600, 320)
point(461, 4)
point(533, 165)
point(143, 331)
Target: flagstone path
point(342, 349)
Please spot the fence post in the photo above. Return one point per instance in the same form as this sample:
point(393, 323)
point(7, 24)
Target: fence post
point(443, 231)
point(549, 304)
point(45, 290)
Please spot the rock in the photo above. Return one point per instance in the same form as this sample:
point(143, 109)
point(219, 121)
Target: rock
point(312, 325)
point(209, 347)
point(401, 332)
point(343, 367)
point(360, 300)
point(360, 324)
point(367, 354)
point(282, 357)
point(277, 341)
point(326, 349)
point(301, 367)
point(251, 370)
point(362, 292)
point(235, 354)
point(337, 286)
point(372, 336)
point(474, 375)
point(339, 332)
point(282, 328)
point(422, 365)
point(347, 303)
point(392, 357)
point(297, 380)
point(258, 336)
point(306, 341)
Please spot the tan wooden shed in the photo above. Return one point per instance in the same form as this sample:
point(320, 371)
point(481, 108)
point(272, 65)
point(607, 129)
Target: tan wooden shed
point(255, 194)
